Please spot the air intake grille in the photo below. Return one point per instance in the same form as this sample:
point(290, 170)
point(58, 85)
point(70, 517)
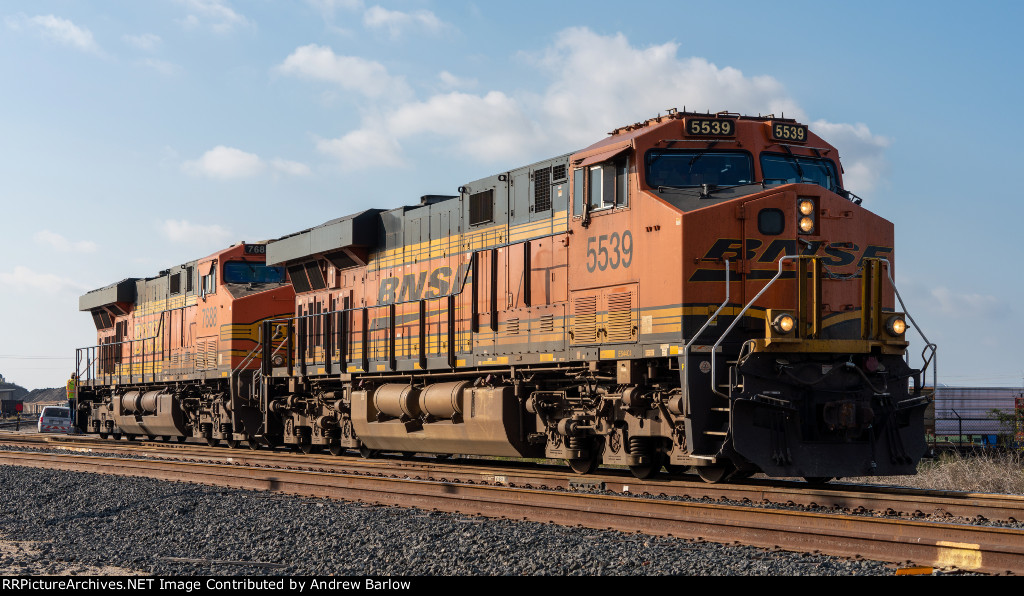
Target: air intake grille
point(542, 190)
point(481, 207)
point(558, 173)
point(584, 327)
point(620, 317)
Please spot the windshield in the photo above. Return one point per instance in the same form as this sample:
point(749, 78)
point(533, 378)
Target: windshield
point(693, 168)
point(784, 169)
point(56, 413)
point(244, 272)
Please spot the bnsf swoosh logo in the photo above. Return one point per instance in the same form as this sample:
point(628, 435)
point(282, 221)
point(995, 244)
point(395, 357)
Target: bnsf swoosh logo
point(839, 254)
point(422, 285)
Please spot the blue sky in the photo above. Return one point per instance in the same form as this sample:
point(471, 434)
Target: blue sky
point(138, 135)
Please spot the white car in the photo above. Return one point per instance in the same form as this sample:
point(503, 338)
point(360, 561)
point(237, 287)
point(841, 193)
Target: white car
point(55, 419)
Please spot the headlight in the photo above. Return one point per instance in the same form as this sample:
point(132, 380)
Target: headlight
point(278, 360)
point(783, 323)
point(808, 215)
point(896, 326)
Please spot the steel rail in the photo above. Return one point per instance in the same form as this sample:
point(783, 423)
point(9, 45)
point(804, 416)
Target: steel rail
point(896, 501)
point(942, 545)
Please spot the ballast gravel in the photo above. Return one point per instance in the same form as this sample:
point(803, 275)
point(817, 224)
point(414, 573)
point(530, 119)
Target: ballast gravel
point(69, 523)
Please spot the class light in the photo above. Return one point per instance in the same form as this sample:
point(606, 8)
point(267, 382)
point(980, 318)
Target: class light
point(783, 323)
point(896, 326)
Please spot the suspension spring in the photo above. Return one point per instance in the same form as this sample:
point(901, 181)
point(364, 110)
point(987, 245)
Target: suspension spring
point(577, 443)
point(639, 445)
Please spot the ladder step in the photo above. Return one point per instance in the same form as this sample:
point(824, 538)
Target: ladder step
point(720, 409)
point(716, 433)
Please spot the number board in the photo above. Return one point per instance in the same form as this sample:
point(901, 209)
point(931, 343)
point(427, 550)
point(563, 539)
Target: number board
point(255, 249)
point(789, 132)
point(708, 127)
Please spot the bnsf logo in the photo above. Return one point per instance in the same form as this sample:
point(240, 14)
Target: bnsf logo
point(420, 286)
point(841, 253)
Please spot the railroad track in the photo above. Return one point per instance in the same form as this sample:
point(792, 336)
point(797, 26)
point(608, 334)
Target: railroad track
point(898, 540)
point(849, 498)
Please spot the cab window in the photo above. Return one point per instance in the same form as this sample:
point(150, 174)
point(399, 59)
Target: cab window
point(246, 272)
point(680, 168)
point(601, 186)
point(779, 168)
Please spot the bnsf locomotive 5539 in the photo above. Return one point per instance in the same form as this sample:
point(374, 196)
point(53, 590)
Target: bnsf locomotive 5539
point(695, 290)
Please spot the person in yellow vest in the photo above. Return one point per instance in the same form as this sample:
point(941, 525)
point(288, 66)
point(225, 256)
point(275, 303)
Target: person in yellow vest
point(73, 395)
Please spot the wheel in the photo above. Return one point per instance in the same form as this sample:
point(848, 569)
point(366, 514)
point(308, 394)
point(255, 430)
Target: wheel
point(817, 480)
point(309, 448)
point(166, 438)
point(181, 439)
point(368, 453)
point(116, 436)
point(648, 470)
point(253, 442)
point(442, 456)
point(103, 436)
point(408, 454)
point(212, 442)
point(129, 437)
point(676, 470)
point(336, 449)
point(585, 465)
point(232, 443)
point(151, 437)
point(714, 474)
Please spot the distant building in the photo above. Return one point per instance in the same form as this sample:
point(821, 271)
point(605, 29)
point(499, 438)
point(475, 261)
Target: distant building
point(968, 411)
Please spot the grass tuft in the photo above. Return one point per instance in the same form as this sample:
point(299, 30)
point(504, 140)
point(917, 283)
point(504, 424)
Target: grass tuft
point(986, 472)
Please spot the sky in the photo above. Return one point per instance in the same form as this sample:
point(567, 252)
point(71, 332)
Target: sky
point(139, 135)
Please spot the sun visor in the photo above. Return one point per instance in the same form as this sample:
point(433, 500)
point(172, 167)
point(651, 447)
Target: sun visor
point(605, 155)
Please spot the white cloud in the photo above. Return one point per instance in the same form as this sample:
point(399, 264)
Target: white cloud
point(366, 77)
point(397, 22)
point(161, 66)
point(292, 168)
point(218, 14)
point(362, 149)
point(490, 127)
point(145, 41)
point(228, 163)
point(62, 244)
point(602, 82)
point(965, 305)
point(329, 7)
point(863, 153)
point(451, 82)
point(185, 232)
point(24, 279)
point(596, 83)
point(57, 29)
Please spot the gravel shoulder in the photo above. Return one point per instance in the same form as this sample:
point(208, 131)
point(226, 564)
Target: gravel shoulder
point(89, 524)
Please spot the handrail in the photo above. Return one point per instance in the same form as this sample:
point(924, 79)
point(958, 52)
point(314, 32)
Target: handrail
point(686, 348)
point(928, 360)
point(714, 349)
point(461, 281)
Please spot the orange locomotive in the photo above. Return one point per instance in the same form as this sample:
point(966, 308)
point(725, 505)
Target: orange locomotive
point(172, 358)
point(695, 290)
